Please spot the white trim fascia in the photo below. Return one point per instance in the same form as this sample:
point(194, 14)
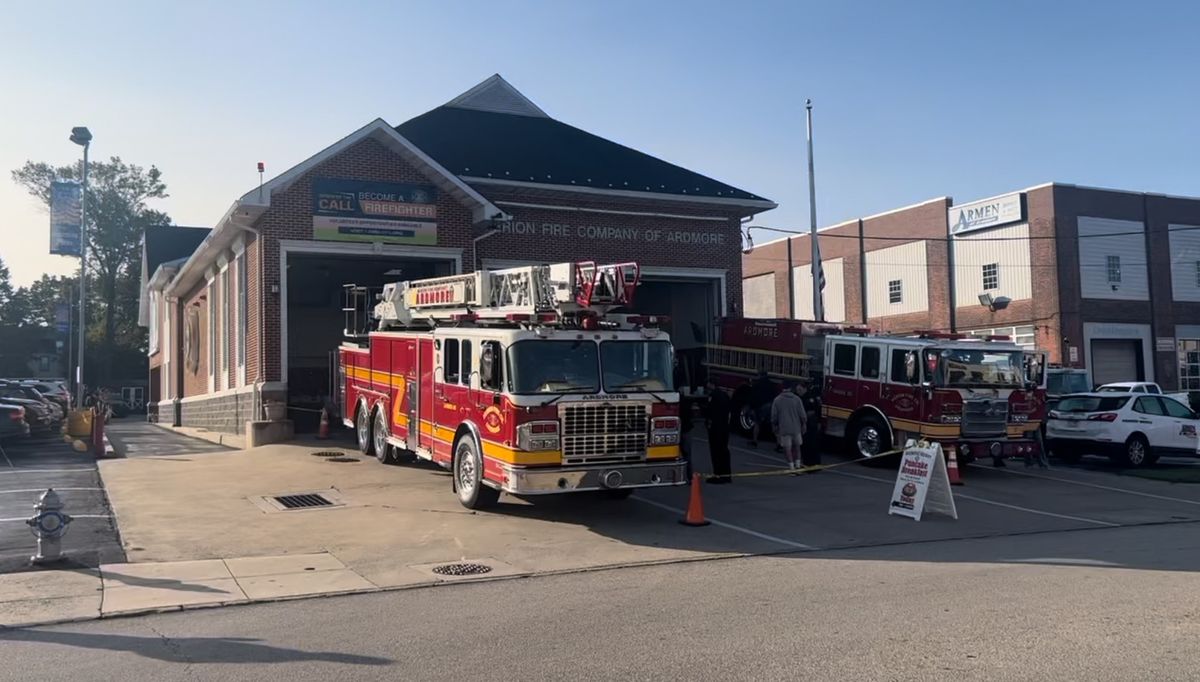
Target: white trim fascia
point(643, 214)
point(374, 249)
point(800, 235)
point(760, 204)
point(495, 80)
point(222, 262)
point(239, 244)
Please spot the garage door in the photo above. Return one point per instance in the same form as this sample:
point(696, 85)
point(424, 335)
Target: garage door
point(1116, 360)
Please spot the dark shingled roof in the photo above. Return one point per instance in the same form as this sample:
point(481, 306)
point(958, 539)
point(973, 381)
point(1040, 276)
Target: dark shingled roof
point(164, 243)
point(488, 144)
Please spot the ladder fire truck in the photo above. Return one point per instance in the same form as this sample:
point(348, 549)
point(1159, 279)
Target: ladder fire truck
point(520, 380)
point(982, 396)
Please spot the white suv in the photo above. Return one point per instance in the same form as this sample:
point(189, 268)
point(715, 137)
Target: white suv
point(1133, 430)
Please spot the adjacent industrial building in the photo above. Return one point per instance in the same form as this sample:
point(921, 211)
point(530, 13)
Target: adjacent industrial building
point(1100, 279)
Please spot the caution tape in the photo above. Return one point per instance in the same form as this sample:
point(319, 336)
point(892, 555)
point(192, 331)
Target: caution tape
point(812, 469)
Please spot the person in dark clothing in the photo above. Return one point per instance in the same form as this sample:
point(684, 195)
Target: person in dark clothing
point(762, 393)
point(716, 416)
point(685, 427)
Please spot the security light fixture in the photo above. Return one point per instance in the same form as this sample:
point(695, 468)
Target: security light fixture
point(80, 135)
point(994, 303)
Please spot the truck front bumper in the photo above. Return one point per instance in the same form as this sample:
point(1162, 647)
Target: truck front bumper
point(545, 481)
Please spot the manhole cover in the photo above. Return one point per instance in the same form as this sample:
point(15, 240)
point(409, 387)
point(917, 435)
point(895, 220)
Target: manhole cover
point(328, 453)
point(305, 501)
point(342, 459)
point(462, 569)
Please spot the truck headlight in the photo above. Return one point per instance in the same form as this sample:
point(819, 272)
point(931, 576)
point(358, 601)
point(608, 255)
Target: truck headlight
point(664, 431)
point(535, 436)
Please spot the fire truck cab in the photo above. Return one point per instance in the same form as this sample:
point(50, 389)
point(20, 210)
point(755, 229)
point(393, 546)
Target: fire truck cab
point(985, 397)
point(520, 380)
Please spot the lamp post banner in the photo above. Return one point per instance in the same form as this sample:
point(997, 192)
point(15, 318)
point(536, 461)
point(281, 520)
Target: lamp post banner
point(65, 218)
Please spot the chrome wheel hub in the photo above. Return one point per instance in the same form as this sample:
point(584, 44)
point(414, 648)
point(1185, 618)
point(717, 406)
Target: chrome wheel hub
point(868, 441)
point(466, 471)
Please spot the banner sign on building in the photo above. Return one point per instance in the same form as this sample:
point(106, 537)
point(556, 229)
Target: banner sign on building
point(363, 211)
point(922, 484)
point(65, 217)
point(979, 215)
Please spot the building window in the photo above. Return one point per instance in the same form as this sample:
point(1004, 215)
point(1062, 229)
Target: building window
point(154, 303)
point(243, 287)
point(1189, 364)
point(43, 364)
point(212, 334)
point(895, 294)
point(226, 295)
point(991, 276)
point(1114, 269)
point(1198, 273)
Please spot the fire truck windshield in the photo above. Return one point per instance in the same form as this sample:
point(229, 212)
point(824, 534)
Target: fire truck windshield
point(553, 367)
point(636, 366)
point(977, 368)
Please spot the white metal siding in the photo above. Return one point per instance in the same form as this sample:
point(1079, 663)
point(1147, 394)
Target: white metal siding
point(1127, 240)
point(835, 291)
point(1008, 247)
point(758, 296)
point(906, 263)
point(1185, 262)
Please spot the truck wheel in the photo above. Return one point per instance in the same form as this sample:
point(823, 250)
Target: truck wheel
point(383, 449)
point(468, 476)
point(362, 428)
point(869, 437)
point(1136, 453)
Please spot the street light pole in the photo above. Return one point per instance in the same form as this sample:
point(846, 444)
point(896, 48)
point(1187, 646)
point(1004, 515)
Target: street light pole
point(80, 135)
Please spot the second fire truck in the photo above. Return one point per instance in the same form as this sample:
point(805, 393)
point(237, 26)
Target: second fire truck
point(983, 397)
point(521, 380)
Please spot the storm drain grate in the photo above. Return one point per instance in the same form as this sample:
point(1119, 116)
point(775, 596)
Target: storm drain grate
point(328, 453)
point(305, 501)
point(462, 569)
point(342, 459)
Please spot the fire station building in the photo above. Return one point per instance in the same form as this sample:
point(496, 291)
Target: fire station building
point(1100, 279)
point(244, 327)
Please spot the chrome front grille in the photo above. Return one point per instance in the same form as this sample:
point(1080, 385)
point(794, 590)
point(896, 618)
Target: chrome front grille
point(604, 432)
point(985, 418)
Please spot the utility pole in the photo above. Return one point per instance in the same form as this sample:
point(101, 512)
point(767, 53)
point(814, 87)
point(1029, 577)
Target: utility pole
point(80, 135)
point(818, 272)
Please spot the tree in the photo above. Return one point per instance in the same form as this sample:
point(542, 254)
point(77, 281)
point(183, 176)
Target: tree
point(37, 305)
point(6, 291)
point(117, 216)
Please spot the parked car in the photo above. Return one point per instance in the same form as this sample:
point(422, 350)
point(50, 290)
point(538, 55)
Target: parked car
point(57, 413)
point(56, 392)
point(1132, 429)
point(12, 422)
point(1148, 387)
point(38, 414)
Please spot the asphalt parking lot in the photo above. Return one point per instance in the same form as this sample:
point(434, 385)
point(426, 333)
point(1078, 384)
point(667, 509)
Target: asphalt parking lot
point(30, 466)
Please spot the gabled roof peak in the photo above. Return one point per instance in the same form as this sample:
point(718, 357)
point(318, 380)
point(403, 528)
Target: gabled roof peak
point(497, 95)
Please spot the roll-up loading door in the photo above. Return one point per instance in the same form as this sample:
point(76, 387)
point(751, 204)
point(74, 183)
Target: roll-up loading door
point(1116, 360)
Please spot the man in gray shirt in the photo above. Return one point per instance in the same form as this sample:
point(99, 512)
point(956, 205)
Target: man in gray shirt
point(789, 421)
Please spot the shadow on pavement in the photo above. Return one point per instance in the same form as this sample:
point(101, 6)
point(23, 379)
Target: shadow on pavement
point(190, 649)
point(161, 583)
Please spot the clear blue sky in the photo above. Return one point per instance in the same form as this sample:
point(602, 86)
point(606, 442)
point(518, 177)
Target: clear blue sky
point(914, 100)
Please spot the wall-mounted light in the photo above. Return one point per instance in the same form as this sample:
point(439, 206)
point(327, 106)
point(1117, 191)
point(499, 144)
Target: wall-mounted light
point(994, 303)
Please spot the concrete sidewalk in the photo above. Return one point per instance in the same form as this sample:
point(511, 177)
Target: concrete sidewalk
point(53, 596)
point(133, 437)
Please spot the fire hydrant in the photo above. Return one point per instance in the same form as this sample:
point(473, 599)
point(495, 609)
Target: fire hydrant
point(49, 524)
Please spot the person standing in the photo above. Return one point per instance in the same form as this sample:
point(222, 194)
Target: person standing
point(789, 421)
point(716, 417)
point(762, 392)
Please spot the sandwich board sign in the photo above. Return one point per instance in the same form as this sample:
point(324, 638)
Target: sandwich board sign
point(922, 484)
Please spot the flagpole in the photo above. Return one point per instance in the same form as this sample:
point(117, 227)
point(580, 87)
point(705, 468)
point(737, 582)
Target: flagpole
point(818, 307)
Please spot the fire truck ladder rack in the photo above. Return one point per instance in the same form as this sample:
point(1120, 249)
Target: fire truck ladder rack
point(533, 294)
point(751, 361)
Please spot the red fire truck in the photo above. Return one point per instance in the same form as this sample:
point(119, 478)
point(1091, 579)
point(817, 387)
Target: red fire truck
point(982, 396)
point(520, 380)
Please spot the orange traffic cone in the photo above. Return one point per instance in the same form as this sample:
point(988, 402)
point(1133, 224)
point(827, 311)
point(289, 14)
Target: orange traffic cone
point(695, 510)
point(952, 468)
point(323, 429)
